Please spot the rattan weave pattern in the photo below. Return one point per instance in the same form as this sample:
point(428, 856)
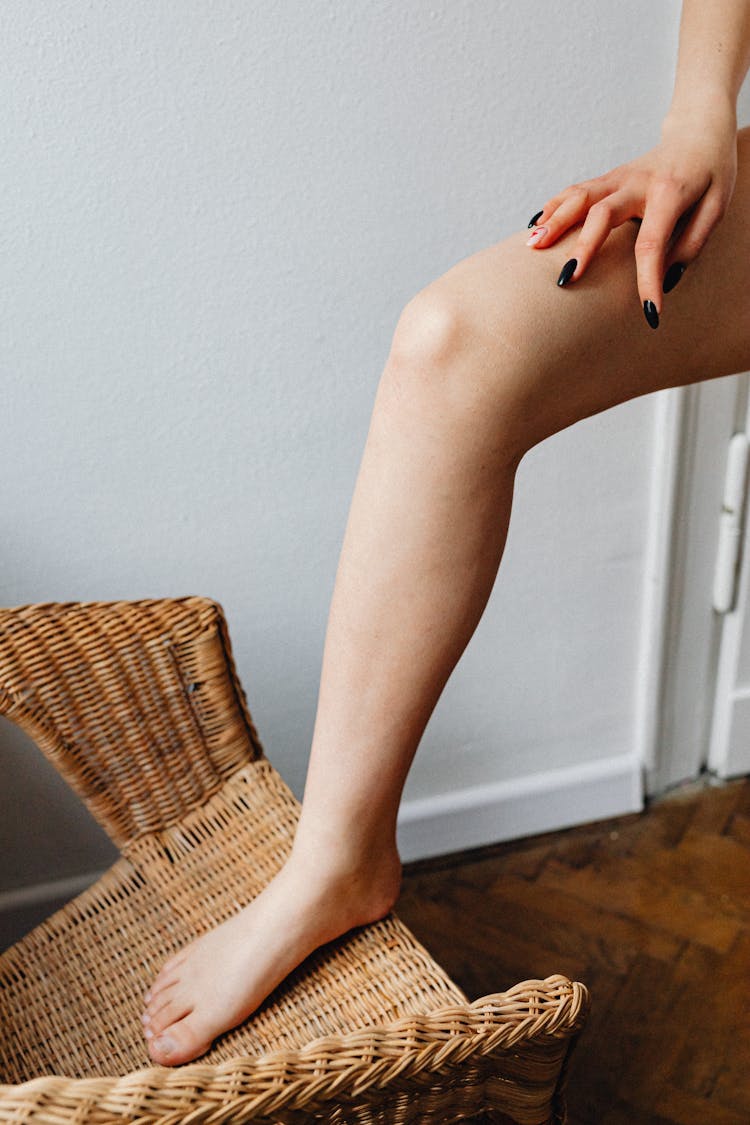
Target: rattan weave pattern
point(133, 705)
point(369, 1028)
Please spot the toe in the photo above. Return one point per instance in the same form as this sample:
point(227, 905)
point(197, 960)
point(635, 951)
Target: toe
point(159, 995)
point(171, 1010)
point(180, 1042)
point(167, 971)
point(163, 983)
point(152, 1011)
point(174, 961)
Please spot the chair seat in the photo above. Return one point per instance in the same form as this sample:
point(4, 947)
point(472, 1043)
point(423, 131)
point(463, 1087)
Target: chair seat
point(73, 988)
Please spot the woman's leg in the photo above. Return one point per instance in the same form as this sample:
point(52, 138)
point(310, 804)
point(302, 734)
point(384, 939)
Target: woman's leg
point(486, 362)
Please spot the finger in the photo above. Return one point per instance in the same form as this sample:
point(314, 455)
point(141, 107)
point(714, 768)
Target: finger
point(610, 212)
point(564, 211)
point(597, 187)
point(694, 236)
point(663, 208)
point(550, 206)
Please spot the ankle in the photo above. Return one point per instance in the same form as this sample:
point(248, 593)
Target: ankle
point(367, 871)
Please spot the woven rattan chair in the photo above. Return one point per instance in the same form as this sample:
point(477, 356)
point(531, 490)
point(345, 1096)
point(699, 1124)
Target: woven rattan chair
point(138, 705)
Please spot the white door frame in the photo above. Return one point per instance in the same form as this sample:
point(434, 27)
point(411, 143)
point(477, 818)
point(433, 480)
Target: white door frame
point(730, 731)
point(680, 630)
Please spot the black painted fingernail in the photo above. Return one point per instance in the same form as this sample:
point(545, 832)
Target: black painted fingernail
point(672, 276)
point(534, 218)
point(567, 271)
point(650, 313)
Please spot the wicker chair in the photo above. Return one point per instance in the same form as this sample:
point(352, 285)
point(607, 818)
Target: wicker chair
point(139, 706)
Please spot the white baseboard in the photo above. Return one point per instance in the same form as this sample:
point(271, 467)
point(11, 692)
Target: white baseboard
point(523, 806)
point(466, 818)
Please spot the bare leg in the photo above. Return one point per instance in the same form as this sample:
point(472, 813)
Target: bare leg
point(486, 361)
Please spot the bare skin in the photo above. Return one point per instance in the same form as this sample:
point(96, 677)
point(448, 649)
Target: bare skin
point(486, 361)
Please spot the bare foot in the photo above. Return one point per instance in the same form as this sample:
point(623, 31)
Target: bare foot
point(218, 980)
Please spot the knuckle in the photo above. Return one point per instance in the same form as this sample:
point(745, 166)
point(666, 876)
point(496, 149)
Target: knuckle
point(668, 183)
point(691, 248)
point(694, 241)
point(716, 208)
point(602, 211)
point(577, 192)
point(600, 181)
point(648, 246)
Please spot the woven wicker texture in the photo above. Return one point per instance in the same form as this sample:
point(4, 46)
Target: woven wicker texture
point(139, 706)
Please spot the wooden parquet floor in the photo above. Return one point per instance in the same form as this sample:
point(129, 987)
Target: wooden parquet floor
point(652, 912)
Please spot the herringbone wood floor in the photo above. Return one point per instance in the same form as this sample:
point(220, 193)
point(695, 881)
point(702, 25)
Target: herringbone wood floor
point(652, 913)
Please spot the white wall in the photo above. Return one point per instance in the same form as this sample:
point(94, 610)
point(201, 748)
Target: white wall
point(211, 217)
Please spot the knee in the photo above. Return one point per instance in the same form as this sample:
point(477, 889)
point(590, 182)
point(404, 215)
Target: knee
point(431, 334)
point(443, 357)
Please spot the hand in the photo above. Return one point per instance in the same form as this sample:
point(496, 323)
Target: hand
point(680, 190)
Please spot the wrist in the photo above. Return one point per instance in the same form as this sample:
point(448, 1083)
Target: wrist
point(702, 104)
point(701, 123)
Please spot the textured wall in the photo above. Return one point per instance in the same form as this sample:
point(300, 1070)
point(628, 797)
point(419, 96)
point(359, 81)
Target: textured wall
point(211, 216)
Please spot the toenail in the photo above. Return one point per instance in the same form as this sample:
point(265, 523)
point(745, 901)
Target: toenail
point(148, 1033)
point(147, 997)
point(146, 1018)
point(165, 1044)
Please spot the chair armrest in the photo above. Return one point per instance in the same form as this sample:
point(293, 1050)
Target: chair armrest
point(517, 1040)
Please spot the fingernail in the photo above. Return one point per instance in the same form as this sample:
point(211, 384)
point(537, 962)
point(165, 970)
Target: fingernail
point(672, 276)
point(165, 1044)
point(534, 218)
point(567, 271)
point(650, 313)
point(536, 234)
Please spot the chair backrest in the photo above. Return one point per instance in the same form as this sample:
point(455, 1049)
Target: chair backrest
point(136, 703)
